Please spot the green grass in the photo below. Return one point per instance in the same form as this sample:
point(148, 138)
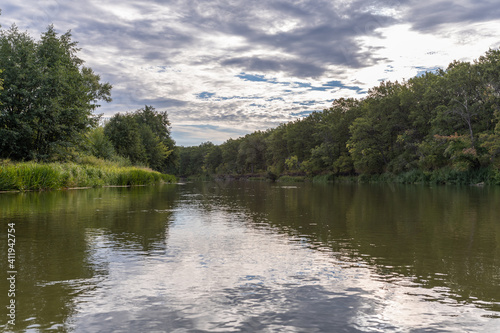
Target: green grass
point(32, 176)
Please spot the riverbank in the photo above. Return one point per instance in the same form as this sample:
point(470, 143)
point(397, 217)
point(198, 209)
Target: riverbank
point(33, 176)
point(445, 176)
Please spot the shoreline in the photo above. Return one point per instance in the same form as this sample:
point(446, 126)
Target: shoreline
point(479, 177)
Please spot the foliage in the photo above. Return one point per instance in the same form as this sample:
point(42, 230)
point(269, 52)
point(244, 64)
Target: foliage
point(99, 144)
point(49, 97)
point(142, 136)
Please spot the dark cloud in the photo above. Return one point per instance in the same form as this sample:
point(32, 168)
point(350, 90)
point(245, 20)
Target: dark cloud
point(427, 16)
point(266, 65)
point(323, 34)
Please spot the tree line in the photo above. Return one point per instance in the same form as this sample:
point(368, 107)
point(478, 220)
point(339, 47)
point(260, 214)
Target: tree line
point(446, 119)
point(47, 103)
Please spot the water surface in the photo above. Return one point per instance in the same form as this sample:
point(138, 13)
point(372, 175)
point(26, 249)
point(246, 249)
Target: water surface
point(256, 257)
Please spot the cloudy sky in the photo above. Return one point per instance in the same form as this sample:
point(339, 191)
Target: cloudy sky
point(224, 68)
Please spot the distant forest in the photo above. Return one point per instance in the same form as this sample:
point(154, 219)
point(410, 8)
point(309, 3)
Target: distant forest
point(443, 120)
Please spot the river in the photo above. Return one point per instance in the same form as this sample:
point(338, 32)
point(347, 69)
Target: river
point(253, 257)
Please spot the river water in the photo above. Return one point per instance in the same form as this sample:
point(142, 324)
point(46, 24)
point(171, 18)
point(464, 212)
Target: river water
point(254, 257)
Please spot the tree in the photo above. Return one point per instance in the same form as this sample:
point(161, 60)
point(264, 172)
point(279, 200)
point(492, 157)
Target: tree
point(333, 132)
point(213, 159)
point(49, 98)
point(155, 132)
point(143, 136)
point(366, 146)
point(192, 159)
point(99, 144)
point(124, 133)
point(374, 136)
point(300, 136)
point(465, 89)
point(252, 152)
point(229, 150)
point(277, 148)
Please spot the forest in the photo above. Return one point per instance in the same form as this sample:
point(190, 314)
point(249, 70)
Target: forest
point(442, 126)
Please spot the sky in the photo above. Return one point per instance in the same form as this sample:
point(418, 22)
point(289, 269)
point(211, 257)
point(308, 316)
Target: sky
point(226, 68)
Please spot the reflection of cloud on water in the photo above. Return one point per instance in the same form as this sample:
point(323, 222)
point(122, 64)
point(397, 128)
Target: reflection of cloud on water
point(217, 273)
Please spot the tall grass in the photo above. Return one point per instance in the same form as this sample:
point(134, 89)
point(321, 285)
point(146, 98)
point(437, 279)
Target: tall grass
point(32, 176)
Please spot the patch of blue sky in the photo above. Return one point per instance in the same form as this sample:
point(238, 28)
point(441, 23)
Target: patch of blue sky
point(260, 78)
point(205, 95)
point(338, 84)
point(302, 113)
point(162, 69)
point(389, 69)
point(327, 86)
point(275, 99)
point(258, 105)
point(423, 70)
point(302, 84)
point(306, 103)
point(255, 78)
point(236, 97)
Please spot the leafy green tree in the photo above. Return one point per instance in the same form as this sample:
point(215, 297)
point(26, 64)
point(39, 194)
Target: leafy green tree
point(192, 159)
point(229, 150)
point(142, 136)
point(156, 137)
point(99, 144)
point(49, 98)
point(419, 98)
point(466, 105)
point(277, 148)
point(366, 146)
point(489, 70)
point(252, 152)
point(300, 136)
point(374, 136)
point(155, 150)
point(125, 134)
point(213, 159)
point(333, 132)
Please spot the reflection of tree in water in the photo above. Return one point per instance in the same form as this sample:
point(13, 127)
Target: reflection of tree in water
point(56, 234)
point(439, 237)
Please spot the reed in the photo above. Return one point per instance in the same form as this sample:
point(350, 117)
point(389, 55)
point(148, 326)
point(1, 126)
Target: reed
point(32, 176)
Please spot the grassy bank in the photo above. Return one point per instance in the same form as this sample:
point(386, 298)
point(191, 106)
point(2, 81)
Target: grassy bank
point(32, 176)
